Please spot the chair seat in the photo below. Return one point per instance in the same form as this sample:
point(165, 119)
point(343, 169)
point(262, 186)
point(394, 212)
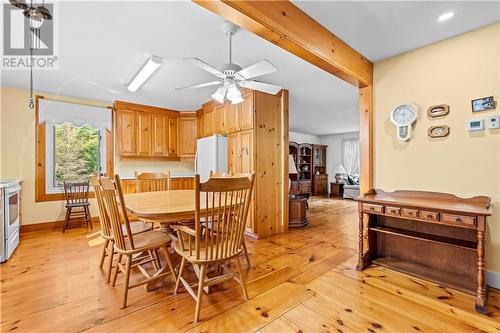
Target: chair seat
point(192, 258)
point(79, 204)
point(148, 240)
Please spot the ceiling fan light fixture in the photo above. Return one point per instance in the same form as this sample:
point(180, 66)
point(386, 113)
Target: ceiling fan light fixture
point(149, 67)
point(234, 94)
point(219, 94)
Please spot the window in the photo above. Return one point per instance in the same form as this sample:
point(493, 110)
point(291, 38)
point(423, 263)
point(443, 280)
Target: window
point(76, 153)
point(73, 142)
point(350, 156)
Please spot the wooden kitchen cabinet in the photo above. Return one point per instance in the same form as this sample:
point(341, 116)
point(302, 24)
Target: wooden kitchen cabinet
point(172, 137)
point(220, 123)
point(253, 126)
point(184, 183)
point(127, 132)
point(145, 132)
point(187, 136)
point(160, 135)
point(208, 121)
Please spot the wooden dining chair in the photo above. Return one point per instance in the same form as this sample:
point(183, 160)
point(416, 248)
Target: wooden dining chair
point(106, 232)
point(127, 245)
point(77, 204)
point(152, 181)
point(227, 201)
point(230, 174)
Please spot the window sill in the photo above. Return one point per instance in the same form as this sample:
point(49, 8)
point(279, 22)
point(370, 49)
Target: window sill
point(44, 197)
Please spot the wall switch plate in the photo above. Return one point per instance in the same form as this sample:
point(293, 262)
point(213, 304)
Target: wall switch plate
point(475, 124)
point(494, 121)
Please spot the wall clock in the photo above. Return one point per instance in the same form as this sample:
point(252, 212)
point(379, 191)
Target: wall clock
point(438, 131)
point(403, 116)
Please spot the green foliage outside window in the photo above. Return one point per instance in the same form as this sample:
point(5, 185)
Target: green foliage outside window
point(76, 153)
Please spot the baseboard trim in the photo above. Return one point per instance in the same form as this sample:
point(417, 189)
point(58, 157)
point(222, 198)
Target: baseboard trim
point(493, 279)
point(46, 226)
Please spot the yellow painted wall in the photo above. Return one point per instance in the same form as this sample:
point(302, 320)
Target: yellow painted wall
point(17, 154)
point(452, 72)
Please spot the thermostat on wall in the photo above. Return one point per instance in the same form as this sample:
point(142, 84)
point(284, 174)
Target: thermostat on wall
point(475, 124)
point(494, 121)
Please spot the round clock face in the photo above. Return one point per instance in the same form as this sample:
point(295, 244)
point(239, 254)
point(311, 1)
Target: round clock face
point(404, 115)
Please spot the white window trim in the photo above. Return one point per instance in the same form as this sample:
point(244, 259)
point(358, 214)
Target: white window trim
point(50, 156)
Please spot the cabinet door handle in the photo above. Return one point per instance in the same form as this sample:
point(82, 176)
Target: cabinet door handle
point(458, 219)
point(429, 216)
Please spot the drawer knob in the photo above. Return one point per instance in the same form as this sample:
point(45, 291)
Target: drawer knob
point(429, 216)
point(393, 211)
point(458, 219)
point(410, 213)
point(371, 208)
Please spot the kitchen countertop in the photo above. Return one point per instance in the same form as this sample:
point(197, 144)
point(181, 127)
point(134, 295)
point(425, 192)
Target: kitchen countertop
point(172, 175)
point(9, 182)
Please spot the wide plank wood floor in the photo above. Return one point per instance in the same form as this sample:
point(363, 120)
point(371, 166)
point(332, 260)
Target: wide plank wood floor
point(301, 281)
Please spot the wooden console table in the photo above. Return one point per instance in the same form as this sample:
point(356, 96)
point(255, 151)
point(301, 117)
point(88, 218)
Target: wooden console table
point(434, 236)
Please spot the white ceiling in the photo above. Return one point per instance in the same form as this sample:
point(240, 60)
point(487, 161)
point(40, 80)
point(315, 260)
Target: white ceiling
point(104, 43)
point(381, 29)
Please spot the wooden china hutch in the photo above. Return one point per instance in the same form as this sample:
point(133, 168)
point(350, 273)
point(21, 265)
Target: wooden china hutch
point(310, 161)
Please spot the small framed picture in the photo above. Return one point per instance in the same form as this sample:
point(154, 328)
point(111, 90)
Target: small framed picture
point(482, 104)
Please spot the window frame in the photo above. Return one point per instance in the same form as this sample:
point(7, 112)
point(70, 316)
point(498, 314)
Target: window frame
point(41, 193)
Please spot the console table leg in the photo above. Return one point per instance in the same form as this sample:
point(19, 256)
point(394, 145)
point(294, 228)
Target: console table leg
point(481, 294)
point(361, 258)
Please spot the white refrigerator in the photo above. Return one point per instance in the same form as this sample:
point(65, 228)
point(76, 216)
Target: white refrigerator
point(211, 155)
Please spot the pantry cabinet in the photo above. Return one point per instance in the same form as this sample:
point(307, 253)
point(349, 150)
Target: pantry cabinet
point(252, 126)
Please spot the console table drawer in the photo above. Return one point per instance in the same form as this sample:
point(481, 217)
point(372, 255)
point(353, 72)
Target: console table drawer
point(459, 220)
point(409, 212)
point(373, 208)
point(428, 216)
point(389, 210)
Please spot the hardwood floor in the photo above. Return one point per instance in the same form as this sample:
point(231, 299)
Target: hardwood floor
point(301, 281)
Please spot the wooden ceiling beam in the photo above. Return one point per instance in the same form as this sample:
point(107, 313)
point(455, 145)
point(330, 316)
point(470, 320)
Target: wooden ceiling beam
point(285, 25)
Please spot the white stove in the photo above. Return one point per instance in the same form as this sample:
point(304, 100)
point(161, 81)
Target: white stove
point(10, 196)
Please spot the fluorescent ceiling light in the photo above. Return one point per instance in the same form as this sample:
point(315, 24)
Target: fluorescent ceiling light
point(149, 67)
point(445, 16)
point(220, 94)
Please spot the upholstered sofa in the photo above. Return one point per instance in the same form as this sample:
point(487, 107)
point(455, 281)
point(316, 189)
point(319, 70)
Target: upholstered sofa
point(351, 187)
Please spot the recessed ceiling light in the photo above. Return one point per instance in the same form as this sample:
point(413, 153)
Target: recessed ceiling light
point(149, 67)
point(445, 16)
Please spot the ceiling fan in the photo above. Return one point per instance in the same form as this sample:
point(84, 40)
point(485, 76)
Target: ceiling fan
point(231, 75)
point(36, 14)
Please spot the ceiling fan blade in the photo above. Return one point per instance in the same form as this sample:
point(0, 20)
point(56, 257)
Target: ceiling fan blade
point(261, 68)
point(19, 4)
point(261, 86)
point(45, 12)
point(200, 85)
point(203, 65)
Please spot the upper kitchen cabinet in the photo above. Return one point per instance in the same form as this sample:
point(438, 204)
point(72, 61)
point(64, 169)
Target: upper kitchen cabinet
point(228, 118)
point(187, 134)
point(126, 123)
point(146, 132)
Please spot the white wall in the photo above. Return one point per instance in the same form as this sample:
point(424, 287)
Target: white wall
point(303, 138)
point(334, 150)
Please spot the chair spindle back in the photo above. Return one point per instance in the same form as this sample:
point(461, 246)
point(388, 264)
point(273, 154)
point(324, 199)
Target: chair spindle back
point(76, 193)
point(103, 216)
point(117, 212)
point(228, 201)
point(151, 181)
